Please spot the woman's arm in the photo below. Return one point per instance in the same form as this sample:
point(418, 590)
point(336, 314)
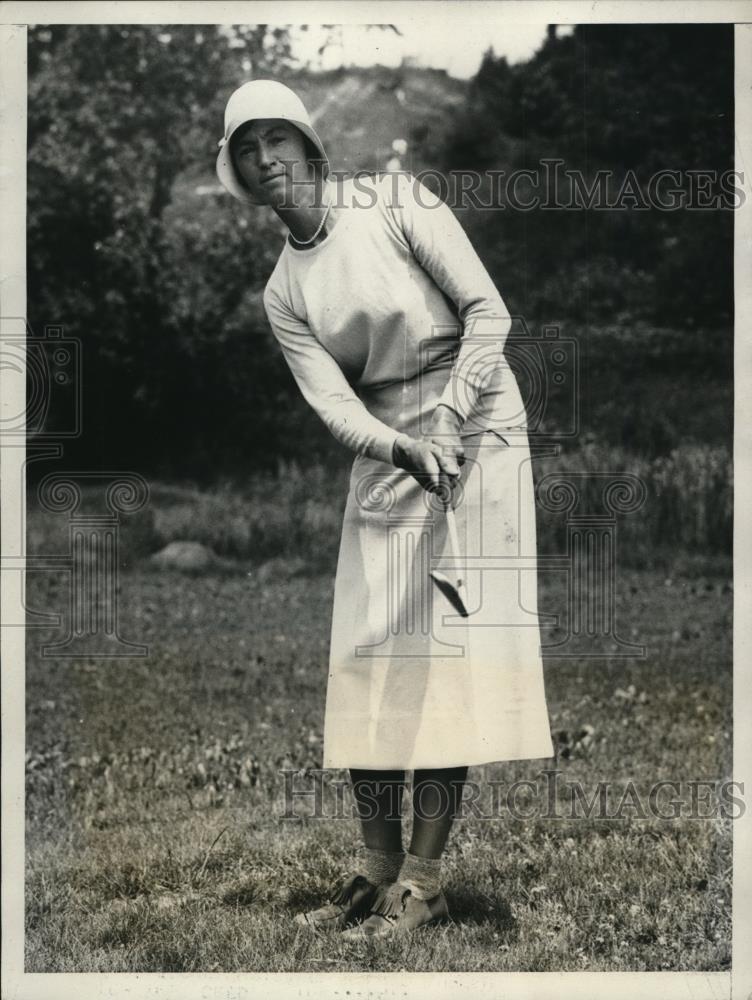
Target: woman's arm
point(328, 392)
point(442, 248)
point(325, 388)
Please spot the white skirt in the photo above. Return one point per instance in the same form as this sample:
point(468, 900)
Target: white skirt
point(412, 684)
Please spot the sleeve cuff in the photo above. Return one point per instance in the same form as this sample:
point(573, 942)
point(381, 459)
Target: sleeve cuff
point(458, 395)
point(382, 448)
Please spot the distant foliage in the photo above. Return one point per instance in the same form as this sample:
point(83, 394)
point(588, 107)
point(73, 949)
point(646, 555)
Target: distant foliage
point(688, 500)
point(154, 281)
point(607, 97)
point(134, 249)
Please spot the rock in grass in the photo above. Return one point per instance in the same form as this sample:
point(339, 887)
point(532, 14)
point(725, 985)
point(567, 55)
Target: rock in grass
point(281, 568)
point(191, 557)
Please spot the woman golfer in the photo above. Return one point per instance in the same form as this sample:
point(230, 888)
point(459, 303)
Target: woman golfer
point(394, 333)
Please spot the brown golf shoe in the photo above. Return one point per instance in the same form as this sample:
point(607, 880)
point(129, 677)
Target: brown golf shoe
point(348, 901)
point(396, 911)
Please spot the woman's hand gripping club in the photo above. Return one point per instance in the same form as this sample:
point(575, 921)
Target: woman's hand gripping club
point(435, 463)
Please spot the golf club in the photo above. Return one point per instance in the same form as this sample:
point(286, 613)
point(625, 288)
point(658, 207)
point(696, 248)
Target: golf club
point(452, 588)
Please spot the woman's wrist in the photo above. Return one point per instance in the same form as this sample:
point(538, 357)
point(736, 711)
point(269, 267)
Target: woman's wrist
point(398, 449)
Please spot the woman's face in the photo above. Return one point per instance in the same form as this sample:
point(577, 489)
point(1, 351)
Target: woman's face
point(270, 155)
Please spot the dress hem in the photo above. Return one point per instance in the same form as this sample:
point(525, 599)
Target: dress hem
point(418, 766)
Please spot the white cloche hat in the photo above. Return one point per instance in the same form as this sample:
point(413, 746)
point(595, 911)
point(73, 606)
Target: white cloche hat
point(261, 99)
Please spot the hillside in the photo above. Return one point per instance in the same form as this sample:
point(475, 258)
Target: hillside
point(359, 113)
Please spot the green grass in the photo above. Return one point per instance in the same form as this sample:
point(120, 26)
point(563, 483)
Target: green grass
point(155, 797)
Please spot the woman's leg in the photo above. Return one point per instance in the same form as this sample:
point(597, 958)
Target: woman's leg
point(378, 795)
point(437, 794)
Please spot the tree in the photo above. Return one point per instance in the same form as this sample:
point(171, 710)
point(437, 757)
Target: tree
point(117, 115)
point(617, 98)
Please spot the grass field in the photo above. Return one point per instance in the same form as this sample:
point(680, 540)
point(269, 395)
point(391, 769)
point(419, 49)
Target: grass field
point(156, 829)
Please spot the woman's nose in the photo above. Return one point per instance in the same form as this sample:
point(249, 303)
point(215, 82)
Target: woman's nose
point(264, 155)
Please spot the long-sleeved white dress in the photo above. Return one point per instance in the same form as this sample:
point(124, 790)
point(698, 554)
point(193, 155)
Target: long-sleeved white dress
point(391, 314)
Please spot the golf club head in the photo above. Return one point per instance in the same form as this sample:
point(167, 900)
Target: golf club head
point(450, 591)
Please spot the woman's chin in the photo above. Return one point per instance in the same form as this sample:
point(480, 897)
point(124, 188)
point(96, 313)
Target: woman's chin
point(275, 192)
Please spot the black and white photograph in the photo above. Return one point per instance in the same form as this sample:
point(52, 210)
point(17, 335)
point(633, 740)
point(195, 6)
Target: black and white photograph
point(374, 411)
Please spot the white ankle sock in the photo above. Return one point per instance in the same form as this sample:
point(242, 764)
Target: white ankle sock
point(422, 876)
point(381, 866)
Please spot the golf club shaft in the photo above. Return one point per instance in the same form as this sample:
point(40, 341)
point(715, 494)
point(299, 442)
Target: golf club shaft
point(454, 546)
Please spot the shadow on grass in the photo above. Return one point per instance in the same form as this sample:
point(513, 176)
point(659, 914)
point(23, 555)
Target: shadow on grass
point(243, 895)
point(465, 907)
point(468, 907)
point(305, 899)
